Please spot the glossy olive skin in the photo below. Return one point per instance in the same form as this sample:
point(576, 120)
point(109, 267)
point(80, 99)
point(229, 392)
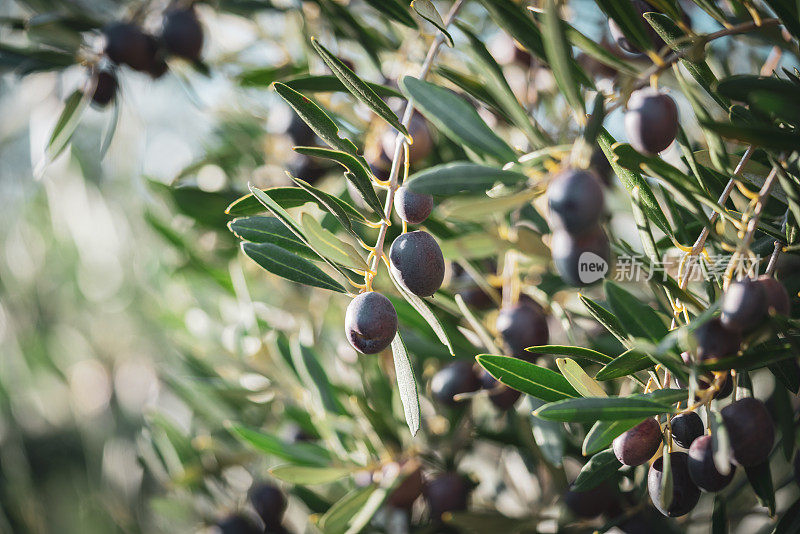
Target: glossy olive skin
point(182, 34)
point(638, 444)
point(775, 295)
point(521, 326)
point(701, 466)
point(686, 428)
point(417, 262)
point(454, 378)
point(237, 524)
point(750, 429)
point(685, 493)
point(269, 503)
point(651, 121)
point(590, 503)
point(744, 305)
point(105, 89)
point(714, 341)
point(447, 492)
point(370, 322)
point(571, 252)
point(412, 207)
point(127, 44)
point(404, 495)
point(575, 198)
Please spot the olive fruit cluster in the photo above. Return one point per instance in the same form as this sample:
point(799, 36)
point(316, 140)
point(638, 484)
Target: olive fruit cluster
point(127, 44)
point(579, 245)
point(751, 432)
point(651, 120)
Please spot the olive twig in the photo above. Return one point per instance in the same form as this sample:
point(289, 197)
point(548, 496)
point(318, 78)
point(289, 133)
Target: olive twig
point(401, 140)
point(657, 69)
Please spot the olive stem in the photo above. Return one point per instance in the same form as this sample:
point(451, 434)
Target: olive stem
point(401, 141)
point(752, 224)
point(773, 259)
point(655, 70)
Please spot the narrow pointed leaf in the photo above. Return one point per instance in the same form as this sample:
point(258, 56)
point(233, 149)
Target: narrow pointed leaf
point(261, 229)
point(575, 352)
point(358, 88)
point(606, 318)
point(299, 453)
point(599, 468)
point(395, 10)
point(306, 475)
point(328, 83)
point(456, 119)
point(357, 173)
point(638, 319)
point(577, 377)
point(425, 311)
point(462, 177)
point(316, 118)
point(625, 364)
point(331, 246)
point(74, 107)
point(525, 377)
point(587, 410)
point(287, 265)
point(559, 56)
point(406, 384)
point(288, 197)
point(427, 11)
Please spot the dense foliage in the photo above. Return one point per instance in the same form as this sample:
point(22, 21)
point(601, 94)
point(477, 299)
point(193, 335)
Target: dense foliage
point(416, 284)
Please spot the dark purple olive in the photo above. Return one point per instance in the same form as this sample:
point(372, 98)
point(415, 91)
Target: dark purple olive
point(590, 503)
point(714, 341)
point(269, 503)
point(776, 296)
point(744, 305)
point(182, 33)
point(581, 260)
point(417, 262)
point(370, 322)
point(105, 89)
point(702, 469)
point(575, 198)
point(750, 430)
point(453, 379)
point(521, 326)
point(412, 207)
point(704, 380)
point(127, 44)
point(237, 524)
point(651, 121)
point(504, 398)
point(685, 493)
point(447, 492)
point(404, 495)
point(638, 444)
point(686, 428)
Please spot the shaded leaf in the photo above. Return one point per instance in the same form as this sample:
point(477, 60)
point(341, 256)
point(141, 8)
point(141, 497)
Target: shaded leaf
point(589, 410)
point(525, 377)
point(427, 11)
point(576, 352)
point(462, 177)
point(599, 468)
point(261, 229)
point(287, 265)
point(307, 475)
